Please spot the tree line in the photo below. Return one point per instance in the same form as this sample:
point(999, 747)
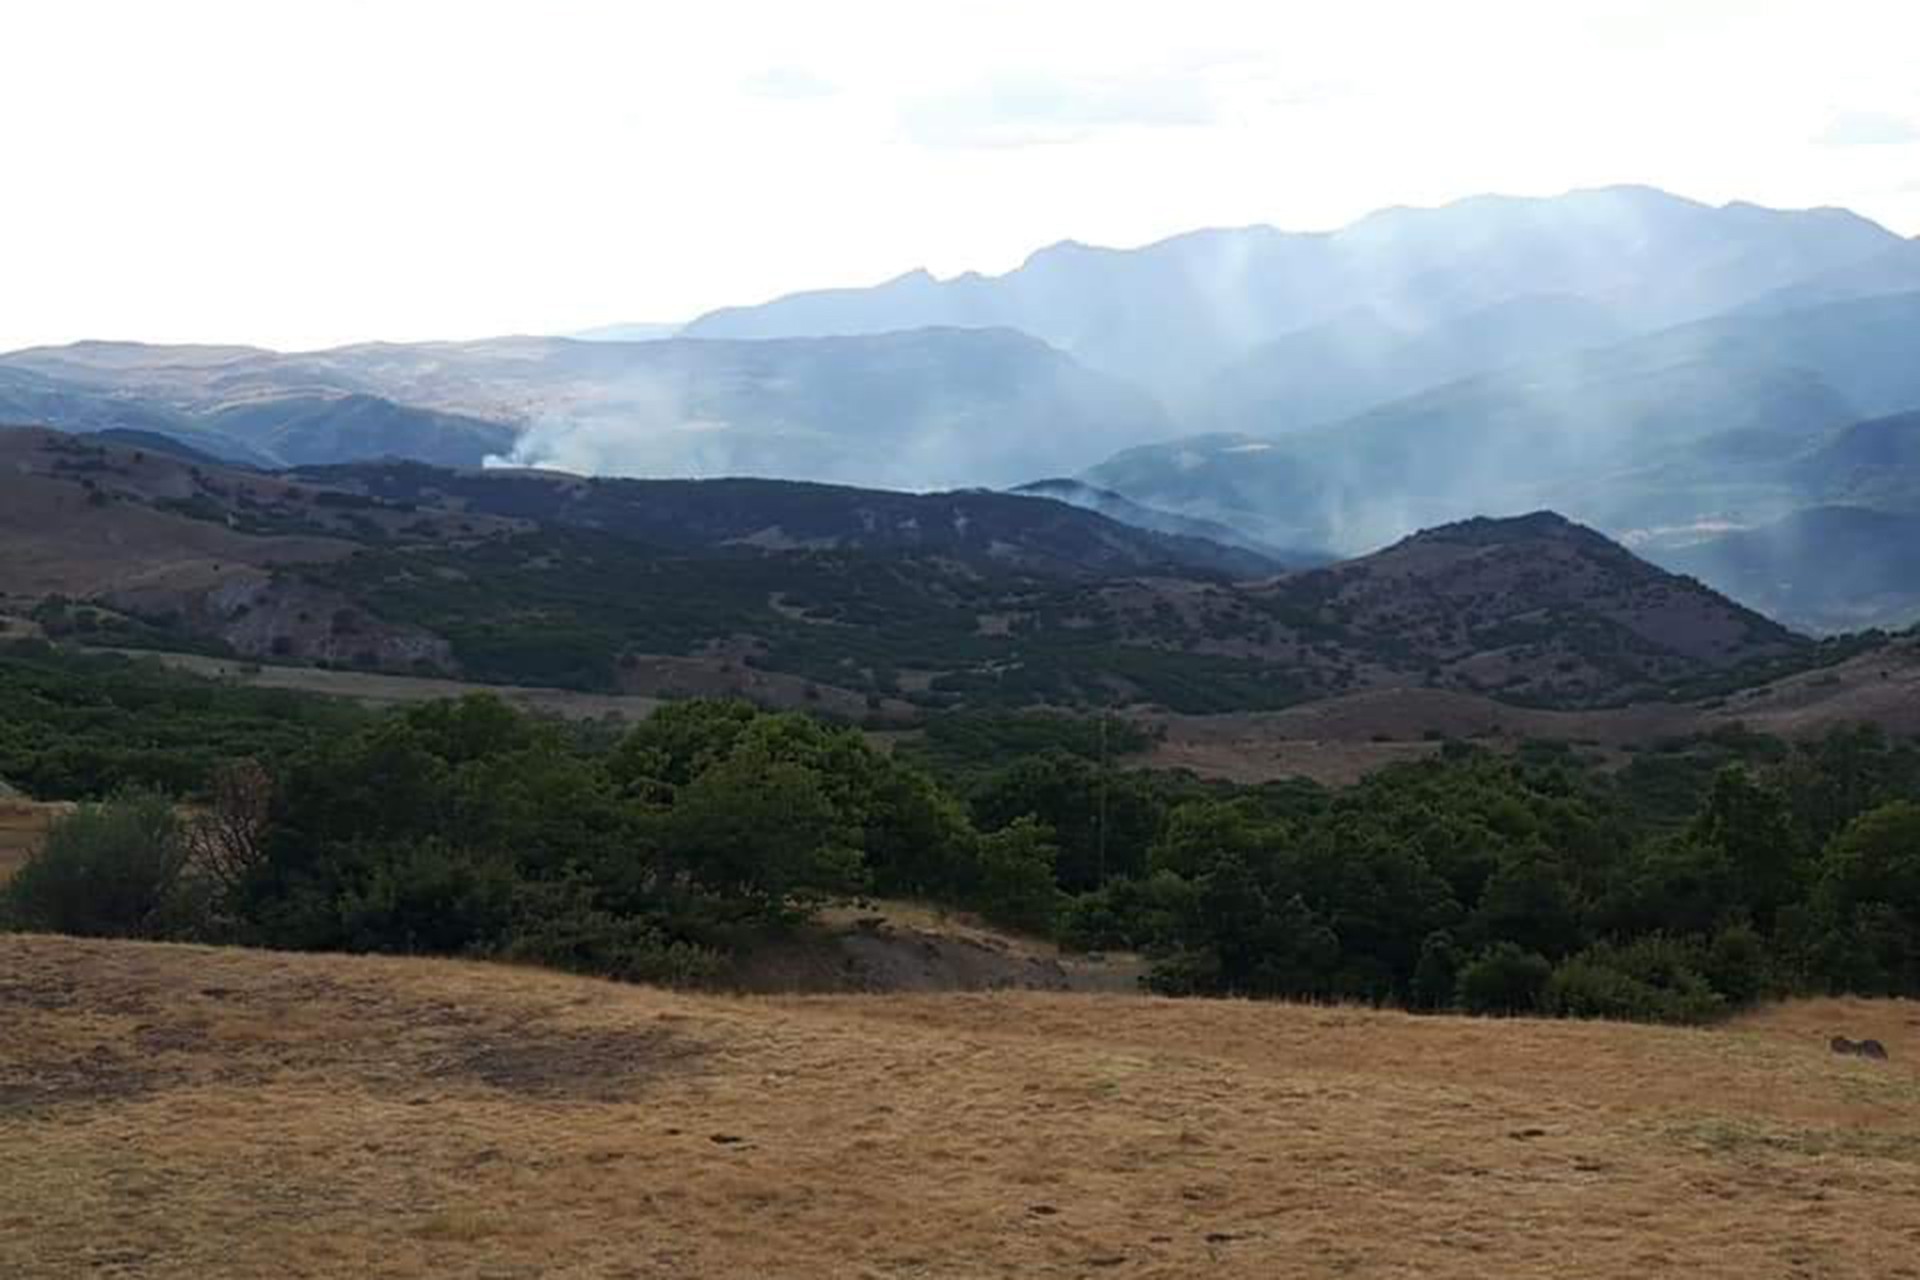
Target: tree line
point(1697, 877)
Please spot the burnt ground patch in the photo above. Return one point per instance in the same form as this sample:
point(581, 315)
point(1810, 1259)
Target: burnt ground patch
point(607, 1064)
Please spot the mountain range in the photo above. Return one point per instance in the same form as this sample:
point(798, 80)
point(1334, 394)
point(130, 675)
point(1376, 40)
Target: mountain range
point(1705, 383)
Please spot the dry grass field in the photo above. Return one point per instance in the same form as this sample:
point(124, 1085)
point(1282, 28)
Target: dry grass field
point(379, 690)
point(1339, 740)
point(23, 824)
point(186, 1112)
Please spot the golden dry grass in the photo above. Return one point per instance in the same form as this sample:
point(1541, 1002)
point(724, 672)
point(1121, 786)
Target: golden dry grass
point(188, 1112)
point(380, 690)
point(23, 825)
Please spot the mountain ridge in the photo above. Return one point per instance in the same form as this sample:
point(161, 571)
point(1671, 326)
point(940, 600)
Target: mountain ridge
point(900, 600)
point(1198, 299)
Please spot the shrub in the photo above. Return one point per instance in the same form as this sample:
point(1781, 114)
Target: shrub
point(562, 924)
point(117, 869)
point(1130, 915)
point(1503, 979)
point(1651, 979)
point(1436, 977)
point(1737, 966)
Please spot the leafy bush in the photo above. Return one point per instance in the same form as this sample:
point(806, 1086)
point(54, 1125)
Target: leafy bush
point(564, 926)
point(1504, 979)
point(1651, 979)
point(116, 869)
point(1130, 915)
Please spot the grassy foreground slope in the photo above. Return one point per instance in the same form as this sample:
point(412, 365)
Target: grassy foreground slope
point(182, 1111)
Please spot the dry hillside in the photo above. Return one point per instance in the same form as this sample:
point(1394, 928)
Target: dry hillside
point(184, 1112)
point(1339, 740)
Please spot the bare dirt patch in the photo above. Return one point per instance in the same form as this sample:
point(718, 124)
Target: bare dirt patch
point(880, 947)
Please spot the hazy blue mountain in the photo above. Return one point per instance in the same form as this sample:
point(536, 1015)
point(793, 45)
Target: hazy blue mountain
point(1824, 569)
point(1867, 349)
point(28, 398)
point(1366, 358)
point(1874, 463)
point(1692, 423)
point(1498, 443)
point(936, 408)
point(314, 429)
point(1893, 270)
point(1171, 313)
point(1078, 493)
point(933, 408)
point(181, 398)
point(166, 445)
point(633, 332)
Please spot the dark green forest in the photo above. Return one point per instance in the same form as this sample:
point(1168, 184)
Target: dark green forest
point(1700, 876)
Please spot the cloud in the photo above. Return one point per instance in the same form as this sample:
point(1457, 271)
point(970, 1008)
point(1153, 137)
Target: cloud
point(1023, 110)
point(1868, 129)
point(788, 84)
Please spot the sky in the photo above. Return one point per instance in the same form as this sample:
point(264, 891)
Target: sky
point(303, 173)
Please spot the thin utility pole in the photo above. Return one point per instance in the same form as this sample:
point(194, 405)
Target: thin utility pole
point(1103, 794)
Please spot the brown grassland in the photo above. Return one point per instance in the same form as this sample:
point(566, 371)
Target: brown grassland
point(23, 825)
point(174, 1111)
point(378, 689)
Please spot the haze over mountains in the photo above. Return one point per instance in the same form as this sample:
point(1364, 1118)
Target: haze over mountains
point(1698, 381)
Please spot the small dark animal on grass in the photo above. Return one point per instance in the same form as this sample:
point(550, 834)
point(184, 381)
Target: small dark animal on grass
point(1859, 1048)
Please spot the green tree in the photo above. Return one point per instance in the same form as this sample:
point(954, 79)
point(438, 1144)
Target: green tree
point(1869, 895)
point(763, 833)
point(1103, 819)
point(1016, 879)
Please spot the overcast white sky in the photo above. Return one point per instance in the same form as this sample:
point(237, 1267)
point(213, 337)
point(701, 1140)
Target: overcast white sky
point(299, 173)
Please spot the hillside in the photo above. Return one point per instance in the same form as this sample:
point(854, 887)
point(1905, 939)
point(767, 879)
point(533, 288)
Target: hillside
point(1370, 357)
point(1561, 431)
point(445, 1118)
point(870, 597)
point(229, 414)
point(1533, 609)
point(1825, 569)
point(1727, 423)
point(1874, 463)
point(295, 430)
point(978, 527)
point(1116, 507)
